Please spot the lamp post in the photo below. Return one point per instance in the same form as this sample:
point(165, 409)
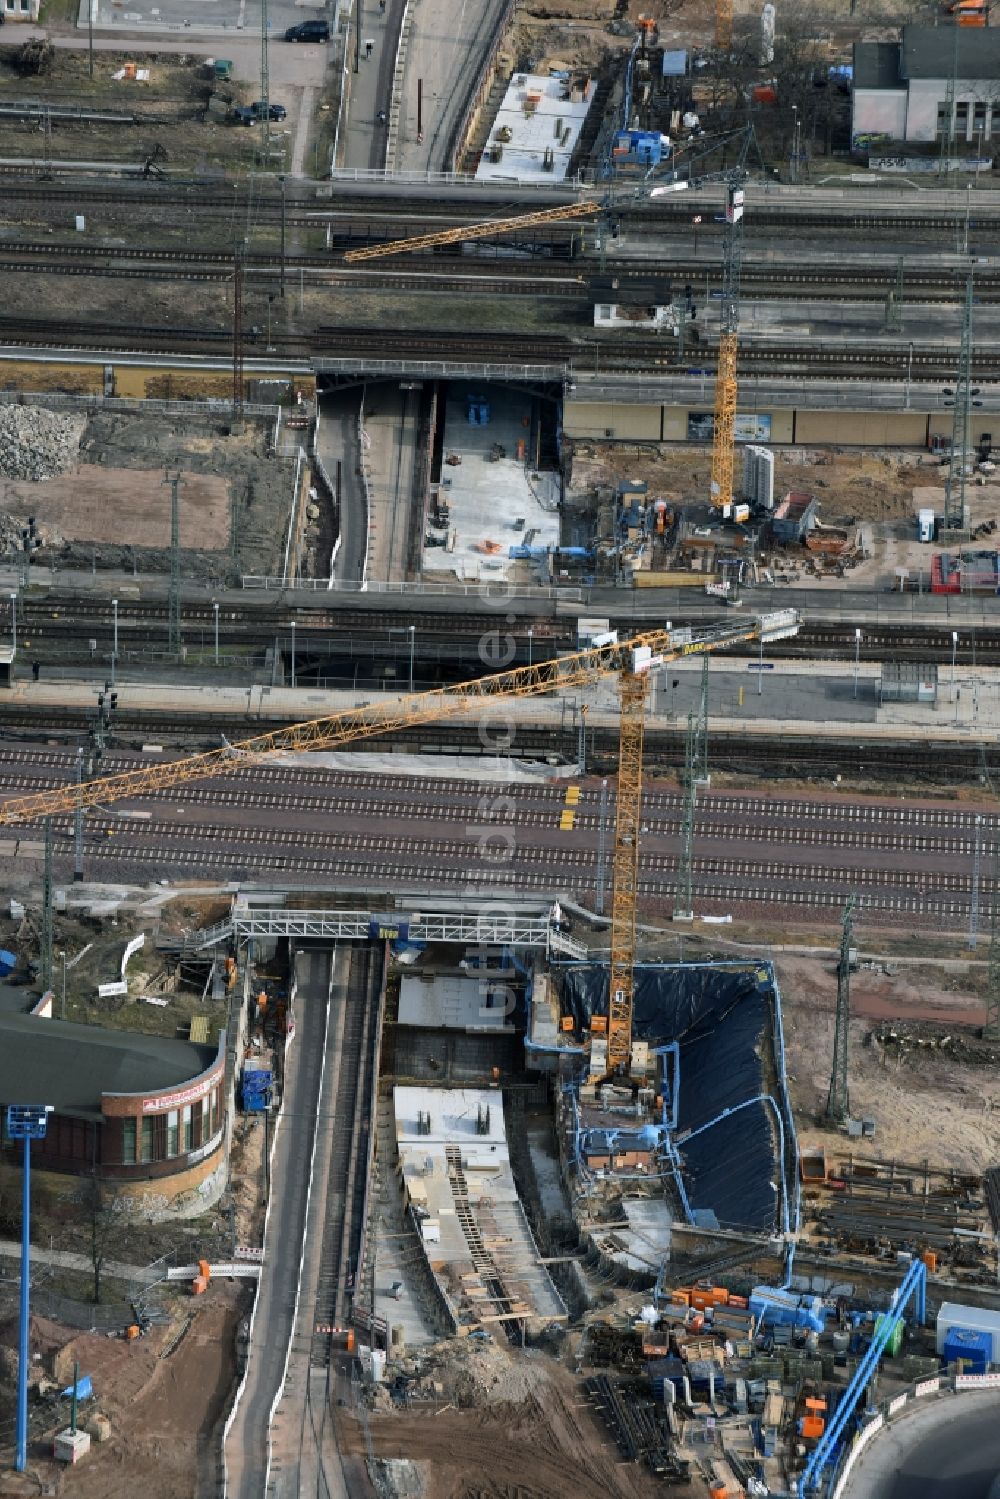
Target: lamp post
point(760, 669)
point(954, 648)
point(215, 608)
point(531, 634)
point(857, 659)
point(27, 1123)
point(13, 618)
point(62, 1012)
point(413, 637)
point(293, 653)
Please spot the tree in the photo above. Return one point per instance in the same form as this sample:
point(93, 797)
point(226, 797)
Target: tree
point(103, 1205)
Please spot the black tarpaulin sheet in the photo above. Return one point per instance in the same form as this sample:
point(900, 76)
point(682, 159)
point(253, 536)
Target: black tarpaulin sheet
point(720, 1017)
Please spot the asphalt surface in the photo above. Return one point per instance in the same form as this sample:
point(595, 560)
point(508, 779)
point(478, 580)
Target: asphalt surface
point(246, 1450)
point(950, 1451)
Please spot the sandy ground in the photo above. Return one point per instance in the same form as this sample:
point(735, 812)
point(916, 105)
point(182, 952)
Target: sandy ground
point(869, 485)
point(927, 1102)
point(162, 1408)
point(115, 509)
point(544, 1446)
point(133, 507)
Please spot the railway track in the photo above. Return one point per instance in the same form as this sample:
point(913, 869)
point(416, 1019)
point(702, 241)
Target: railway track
point(493, 273)
point(802, 757)
point(851, 362)
point(823, 638)
point(905, 862)
point(23, 185)
point(736, 886)
point(356, 1017)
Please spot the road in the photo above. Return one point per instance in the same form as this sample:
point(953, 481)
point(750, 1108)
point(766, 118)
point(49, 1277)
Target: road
point(246, 1450)
point(949, 1451)
point(337, 445)
point(910, 862)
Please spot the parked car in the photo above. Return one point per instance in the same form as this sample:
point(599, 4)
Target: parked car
point(309, 31)
point(249, 114)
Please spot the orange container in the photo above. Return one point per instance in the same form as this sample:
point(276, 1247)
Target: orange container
point(930, 1260)
point(717, 1491)
point(812, 1427)
point(349, 1340)
point(204, 1271)
point(199, 1286)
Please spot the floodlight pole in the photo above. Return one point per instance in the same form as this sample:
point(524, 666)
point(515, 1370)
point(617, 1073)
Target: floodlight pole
point(25, 1123)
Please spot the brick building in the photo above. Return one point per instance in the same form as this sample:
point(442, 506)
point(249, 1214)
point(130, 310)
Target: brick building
point(144, 1113)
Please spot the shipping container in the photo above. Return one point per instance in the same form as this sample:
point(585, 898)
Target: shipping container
point(975, 1349)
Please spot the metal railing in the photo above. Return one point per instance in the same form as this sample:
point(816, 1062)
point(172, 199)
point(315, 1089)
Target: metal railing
point(448, 179)
point(888, 1410)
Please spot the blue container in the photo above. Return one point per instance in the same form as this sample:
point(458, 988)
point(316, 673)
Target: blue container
point(8, 962)
point(975, 1348)
point(777, 1308)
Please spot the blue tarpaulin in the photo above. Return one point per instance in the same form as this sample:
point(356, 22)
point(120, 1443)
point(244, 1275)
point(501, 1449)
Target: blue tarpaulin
point(721, 1018)
point(84, 1389)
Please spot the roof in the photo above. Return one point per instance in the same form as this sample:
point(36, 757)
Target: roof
point(631, 293)
point(928, 52)
point(455, 1002)
point(70, 1066)
point(876, 65)
point(675, 63)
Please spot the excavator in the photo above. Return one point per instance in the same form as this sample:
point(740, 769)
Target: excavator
point(633, 661)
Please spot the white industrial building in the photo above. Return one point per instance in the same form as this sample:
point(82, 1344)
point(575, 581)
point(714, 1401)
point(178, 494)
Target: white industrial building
point(536, 129)
point(450, 1001)
point(459, 1187)
point(901, 88)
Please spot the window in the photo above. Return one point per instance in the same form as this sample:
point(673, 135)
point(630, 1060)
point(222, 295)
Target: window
point(186, 1128)
point(146, 1151)
point(25, 6)
point(128, 1142)
point(172, 1119)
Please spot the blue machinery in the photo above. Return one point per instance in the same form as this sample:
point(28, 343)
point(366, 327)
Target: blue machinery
point(25, 1123)
point(915, 1285)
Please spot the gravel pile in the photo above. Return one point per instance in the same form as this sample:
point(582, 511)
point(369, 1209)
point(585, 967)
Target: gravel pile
point(36, 443)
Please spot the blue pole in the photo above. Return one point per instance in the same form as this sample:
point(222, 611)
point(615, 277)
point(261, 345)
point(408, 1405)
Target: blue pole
point(22, 1357)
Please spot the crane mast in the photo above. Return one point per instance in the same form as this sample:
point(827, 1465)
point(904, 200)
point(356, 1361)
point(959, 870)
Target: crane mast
point(726, 387)
point(633, 690)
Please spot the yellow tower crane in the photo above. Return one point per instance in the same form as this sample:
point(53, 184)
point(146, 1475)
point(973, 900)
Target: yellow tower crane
point(726, 387)
point(632, 660)
point(485, 229)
